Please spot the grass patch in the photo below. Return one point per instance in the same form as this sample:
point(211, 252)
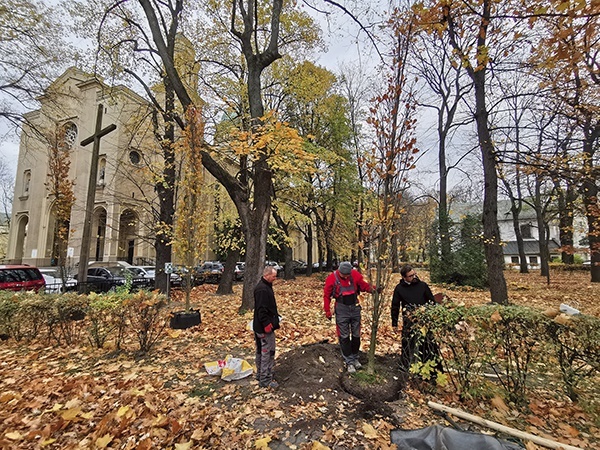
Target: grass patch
point(202, 391)
point(369, 379)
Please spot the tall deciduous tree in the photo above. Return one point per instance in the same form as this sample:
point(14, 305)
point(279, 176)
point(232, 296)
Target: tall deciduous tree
point(392, 156)
point(255, 28)
point(60, 189)
point(567, 59)
point(190, 225)
point(449, 86)
point(31, 54)
point(472, 30)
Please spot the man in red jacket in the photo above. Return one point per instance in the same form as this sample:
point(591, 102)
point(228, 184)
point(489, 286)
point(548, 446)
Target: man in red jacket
point(344, 285)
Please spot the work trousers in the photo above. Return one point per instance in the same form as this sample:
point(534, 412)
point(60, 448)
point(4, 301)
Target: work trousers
point(265, 357)
point(347, 321)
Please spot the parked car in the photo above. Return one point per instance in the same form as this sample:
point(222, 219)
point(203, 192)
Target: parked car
point(299, 266)
point(274, 264)
point(21, 277)
point(238, 272)
point(54, 280)
point(151, 274)
point(209, 272)
point(104, 279)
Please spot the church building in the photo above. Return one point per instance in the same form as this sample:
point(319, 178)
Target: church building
point(124, 193)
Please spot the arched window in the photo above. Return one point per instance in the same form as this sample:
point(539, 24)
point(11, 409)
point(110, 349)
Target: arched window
point(70, 135)
point(102, 171)
point(26, 182)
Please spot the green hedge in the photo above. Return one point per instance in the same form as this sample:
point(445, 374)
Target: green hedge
point(70, 318)
point(515, 347)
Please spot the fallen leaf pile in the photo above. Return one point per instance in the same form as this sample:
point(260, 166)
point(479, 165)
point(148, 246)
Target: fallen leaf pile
point(85, 398)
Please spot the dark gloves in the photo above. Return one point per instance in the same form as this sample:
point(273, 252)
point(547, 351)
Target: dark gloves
point(269, 328)
point(379, 289)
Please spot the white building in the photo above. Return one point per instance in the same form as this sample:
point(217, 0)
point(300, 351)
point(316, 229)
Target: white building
point(123, 189)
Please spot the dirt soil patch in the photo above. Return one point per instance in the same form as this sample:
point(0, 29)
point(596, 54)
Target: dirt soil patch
point(315, 371)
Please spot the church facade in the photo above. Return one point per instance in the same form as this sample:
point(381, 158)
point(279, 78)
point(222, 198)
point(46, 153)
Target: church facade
point(122, 218)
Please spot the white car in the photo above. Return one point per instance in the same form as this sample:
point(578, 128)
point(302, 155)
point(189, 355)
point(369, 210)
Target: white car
point(54, 282)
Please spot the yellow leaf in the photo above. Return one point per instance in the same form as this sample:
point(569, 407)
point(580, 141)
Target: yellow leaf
point(70, 414)
point(87, 415)
point(370, 432)
point(123, 410)
point(262, 443)
point(318, 446)
point(47, 442)
point(496, 317)
point(14, 436)
point(174, 333)
point(103, 441)
point(183, 446)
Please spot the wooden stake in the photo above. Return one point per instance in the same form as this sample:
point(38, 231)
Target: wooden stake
point(499, 427)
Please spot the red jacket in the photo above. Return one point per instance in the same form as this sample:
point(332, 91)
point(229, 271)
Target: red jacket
point(328, 291)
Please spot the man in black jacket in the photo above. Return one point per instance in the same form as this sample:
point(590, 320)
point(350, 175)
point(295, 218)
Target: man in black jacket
point(266, 321)
point(409, 294)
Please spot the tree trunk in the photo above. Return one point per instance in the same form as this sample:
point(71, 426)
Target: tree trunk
point(288, 272)
point(565, 212)
point(226, 282)
point(515, 209)
point(165, 189)
point(592, 208)
point(491, 232)
point(309, 250)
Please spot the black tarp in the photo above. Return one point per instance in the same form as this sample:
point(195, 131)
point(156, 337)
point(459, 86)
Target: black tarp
point(437, 437)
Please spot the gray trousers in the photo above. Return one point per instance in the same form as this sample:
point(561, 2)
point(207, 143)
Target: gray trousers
point(347, 321)
point(265, 357)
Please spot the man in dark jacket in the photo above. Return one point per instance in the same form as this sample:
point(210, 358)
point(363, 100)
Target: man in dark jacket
point(409, 294)
point(266, 321)
point(344, 285)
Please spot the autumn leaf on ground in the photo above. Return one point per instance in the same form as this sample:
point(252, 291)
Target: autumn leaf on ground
point(370, 432)
point(496, 317)
point(262, 443)
point(568, 430)
point(14, 436)
point(174, 333)
point(183, 446)
point(316, 445)
point(535, 420)
point(70, 414)
point(499, 404)
point(103, 441)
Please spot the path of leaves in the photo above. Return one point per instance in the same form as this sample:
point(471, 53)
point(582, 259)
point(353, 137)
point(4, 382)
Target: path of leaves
point(82, 398)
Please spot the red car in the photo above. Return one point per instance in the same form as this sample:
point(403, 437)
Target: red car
point(21, 278)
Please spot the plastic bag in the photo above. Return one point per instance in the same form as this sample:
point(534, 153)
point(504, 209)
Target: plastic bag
point(229, 368)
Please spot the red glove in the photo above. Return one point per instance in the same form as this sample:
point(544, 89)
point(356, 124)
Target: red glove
point(328, 314)
point(269, 328)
